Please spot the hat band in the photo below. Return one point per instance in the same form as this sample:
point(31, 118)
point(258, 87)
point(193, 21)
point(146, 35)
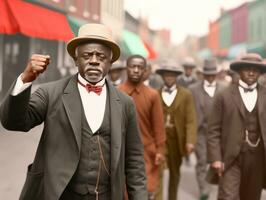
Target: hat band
point(252, 59)
point(98, 36)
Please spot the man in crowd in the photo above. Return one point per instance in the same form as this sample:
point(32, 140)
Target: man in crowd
point(237, 134)
point(203, 93)
point(116, 74)
point(187, 78)
point(180, 123)
point(90, 147)
point(150, 119)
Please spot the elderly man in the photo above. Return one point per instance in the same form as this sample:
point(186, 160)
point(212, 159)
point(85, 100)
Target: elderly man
point(90, 147)
point(150, 119)
point(237, 134)
point(203, 93)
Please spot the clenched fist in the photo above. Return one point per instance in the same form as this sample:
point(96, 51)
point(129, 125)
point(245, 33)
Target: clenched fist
point(36, 65)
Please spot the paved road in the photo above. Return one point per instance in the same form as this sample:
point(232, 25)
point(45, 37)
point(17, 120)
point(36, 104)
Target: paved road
point(17, 151)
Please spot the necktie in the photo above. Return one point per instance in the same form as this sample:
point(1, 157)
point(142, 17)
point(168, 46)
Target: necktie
point(246, 89)
point(92, 88)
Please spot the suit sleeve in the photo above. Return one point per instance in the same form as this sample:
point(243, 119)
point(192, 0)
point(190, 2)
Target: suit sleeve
point(134, 158)
point(191, 121)
point(158, 124)
point(23, 111)
point(214, 130)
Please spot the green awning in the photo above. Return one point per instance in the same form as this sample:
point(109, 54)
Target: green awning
point(259, 48)
point(132, 44)
point(75, 23)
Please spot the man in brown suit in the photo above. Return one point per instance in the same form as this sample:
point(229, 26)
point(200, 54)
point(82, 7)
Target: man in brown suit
point(237, 134)
point(90, 146)
point(180, 123)
point(150, 119)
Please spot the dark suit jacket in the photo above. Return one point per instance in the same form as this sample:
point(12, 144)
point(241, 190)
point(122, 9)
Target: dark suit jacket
point(58, 105)
point(226, 126)
point(202, 108)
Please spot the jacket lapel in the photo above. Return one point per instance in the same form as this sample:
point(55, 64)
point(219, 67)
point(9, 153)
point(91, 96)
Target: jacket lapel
point(261, 100)
point(72, 103)
point(178, 97)
point(237, 99)
point(116, 118)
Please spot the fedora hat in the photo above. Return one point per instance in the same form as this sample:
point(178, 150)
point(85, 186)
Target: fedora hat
point(189, 62)
point(249, 60)
point(209, 67)
point(94, 33)
point(170, 67)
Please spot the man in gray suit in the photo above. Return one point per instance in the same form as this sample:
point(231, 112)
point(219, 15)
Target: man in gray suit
point(203, 93)
point(90, 147)
point(237, 134)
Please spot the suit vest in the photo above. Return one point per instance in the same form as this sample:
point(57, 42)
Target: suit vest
point(252, 124)
point(93, 171)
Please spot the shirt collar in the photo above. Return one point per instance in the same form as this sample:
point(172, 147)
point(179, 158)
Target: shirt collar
point(84, 82)
point(207, 84)
point(131, 87)
point(174, 87)
point(244, 85)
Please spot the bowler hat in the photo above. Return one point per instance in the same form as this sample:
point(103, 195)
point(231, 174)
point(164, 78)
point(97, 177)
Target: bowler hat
point(249, 60)
point(209, 67)
point(170, 67)
point(94, 33)
point(189, 62)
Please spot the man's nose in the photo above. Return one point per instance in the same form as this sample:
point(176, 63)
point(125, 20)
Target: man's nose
point(136, 69)
point(94, 59)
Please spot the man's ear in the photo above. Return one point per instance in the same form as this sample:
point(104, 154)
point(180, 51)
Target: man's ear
point(75, 60)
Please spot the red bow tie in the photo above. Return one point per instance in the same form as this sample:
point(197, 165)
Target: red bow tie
point(92, 88)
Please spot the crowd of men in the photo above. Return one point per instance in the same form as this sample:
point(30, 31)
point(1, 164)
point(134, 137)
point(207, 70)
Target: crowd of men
point(113, 128)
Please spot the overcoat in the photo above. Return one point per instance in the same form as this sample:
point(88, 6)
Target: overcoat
point(58, 105)
point(226, 126)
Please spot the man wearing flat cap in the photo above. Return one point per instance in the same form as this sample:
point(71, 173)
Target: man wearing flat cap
point(90, 147)
point(237, 134)
point(180, 123)
point(203, 93)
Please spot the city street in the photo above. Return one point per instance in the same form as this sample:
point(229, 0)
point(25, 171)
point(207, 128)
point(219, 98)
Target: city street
point(17, 151)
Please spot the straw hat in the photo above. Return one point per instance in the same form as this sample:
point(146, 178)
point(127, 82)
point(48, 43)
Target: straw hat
point(94, 33)
point(249, 60)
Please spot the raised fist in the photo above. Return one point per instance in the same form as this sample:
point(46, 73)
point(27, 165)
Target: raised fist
point(36, 65)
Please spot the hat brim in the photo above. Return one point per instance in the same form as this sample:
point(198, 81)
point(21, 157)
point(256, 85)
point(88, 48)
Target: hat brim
point(162, 71)
point(210, 72)
point(237, 65)
point(72, 44)
point(189, 66)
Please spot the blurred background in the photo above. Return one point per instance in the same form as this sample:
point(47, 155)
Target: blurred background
point(158, 30)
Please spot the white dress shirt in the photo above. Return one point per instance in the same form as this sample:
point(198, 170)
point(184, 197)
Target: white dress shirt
point(168, 98)
point(209, 87)
point(249, 98)
point(93, 104)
